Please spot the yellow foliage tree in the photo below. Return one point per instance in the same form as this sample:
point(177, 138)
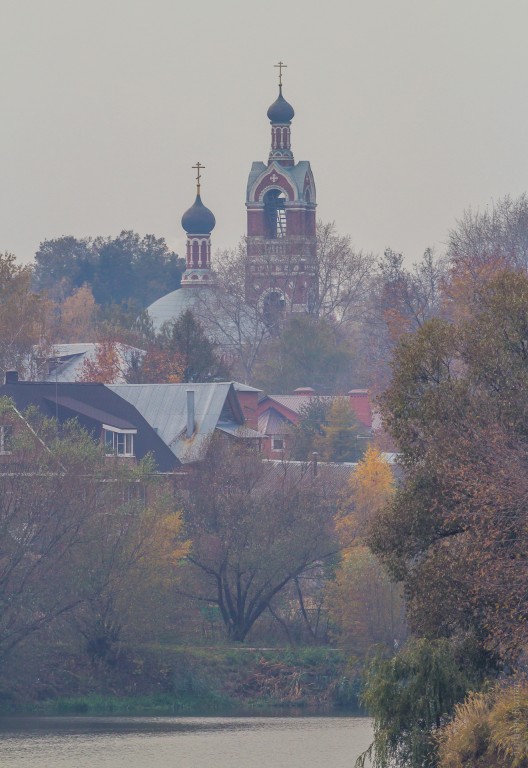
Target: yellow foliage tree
point(365, 608)
point(77, 316)
point(370, 487)
point(25, 319)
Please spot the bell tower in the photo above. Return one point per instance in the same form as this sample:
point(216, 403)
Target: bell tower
point(281, 237)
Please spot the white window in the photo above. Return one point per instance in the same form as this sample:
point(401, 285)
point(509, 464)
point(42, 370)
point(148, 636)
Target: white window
point(277, 443)
point(118, 442)
point(6, 434)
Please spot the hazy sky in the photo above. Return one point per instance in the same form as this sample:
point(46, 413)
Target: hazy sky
point(409, 111)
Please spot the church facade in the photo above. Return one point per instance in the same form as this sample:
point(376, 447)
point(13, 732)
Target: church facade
point(281, 266)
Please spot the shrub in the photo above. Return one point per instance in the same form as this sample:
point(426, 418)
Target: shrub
point(489, 730)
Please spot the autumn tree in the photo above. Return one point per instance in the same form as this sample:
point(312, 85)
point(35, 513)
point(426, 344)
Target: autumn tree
point(25, 319)
point(340, 439)
point(126, 558)
point(456, 530)
point(48, 495)
point(82, 536)
point(75, 317)
point(370, 488)
point(157, 366)
point(366, 607)
point(255, 527)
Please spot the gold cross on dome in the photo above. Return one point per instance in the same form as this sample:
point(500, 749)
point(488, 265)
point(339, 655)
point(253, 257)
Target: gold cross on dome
point(198, 167)
point(281, 66)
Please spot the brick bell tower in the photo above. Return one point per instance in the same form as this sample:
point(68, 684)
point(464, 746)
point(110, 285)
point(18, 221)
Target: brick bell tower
point(281, 237)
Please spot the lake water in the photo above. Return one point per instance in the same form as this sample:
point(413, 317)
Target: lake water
point(183, 742)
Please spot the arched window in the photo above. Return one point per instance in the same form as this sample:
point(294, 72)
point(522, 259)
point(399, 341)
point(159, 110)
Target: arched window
point(275, 214)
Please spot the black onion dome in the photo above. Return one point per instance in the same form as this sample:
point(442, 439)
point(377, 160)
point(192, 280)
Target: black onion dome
point(198, 220)
point(280, 111)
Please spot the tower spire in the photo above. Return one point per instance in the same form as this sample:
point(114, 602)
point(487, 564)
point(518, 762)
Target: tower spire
point(281, 65)
point(198, 167)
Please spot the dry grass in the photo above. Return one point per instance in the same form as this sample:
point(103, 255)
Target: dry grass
point(489, 730)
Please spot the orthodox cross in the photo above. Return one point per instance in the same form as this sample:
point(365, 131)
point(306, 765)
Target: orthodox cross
point(281, 66)
point(198, 167)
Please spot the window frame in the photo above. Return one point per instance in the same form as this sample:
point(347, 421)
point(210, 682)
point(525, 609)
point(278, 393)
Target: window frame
point(121, 443)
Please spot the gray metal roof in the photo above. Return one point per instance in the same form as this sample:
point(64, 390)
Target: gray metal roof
point(65, 361)
point(164, 407)
point(272, 423)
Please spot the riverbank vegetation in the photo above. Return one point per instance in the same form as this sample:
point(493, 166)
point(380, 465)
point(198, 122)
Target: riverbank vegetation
point(167, 679)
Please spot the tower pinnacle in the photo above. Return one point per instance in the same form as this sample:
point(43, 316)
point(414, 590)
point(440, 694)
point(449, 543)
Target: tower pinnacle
point(281, 65)
point(198, 167)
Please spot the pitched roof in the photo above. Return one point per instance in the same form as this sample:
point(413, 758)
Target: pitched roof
point(65, 361)
point(92, 405)
point(272, 423)
point(332, 475)
point(297, 403)
point(164, 407)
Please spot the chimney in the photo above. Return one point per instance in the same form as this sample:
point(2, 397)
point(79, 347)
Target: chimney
point(11, 377)
point(190, 413)
point(360, 404)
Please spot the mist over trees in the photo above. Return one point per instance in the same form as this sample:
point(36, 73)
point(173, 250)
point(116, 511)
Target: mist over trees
point(442, 537)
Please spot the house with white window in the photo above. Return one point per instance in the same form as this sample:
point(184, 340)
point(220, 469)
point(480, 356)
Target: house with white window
point(170, 422)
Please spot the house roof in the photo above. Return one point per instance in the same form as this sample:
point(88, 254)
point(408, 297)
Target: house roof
point(273, 423)
point(164, 407)
point(332, 475)
point(92, 405)
point(77, 407)
point(291, 406)
point(65, 361)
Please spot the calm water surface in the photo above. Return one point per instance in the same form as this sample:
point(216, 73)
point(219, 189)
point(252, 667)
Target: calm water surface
point(193, 742)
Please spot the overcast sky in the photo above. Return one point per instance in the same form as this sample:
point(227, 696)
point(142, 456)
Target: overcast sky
point(409, 112)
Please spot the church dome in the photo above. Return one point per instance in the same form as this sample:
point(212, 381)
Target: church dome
point(198, 220)
point(203, 302)
point(172, 306)
point(280, 111)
